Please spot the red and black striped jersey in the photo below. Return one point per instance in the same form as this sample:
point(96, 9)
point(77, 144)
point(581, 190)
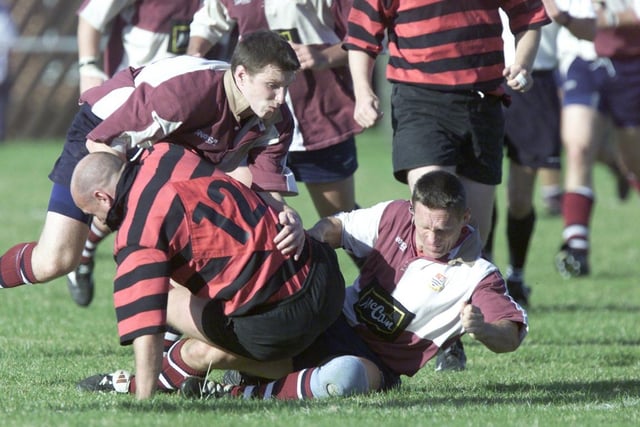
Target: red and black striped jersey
point(182, 219)
point(441, 44)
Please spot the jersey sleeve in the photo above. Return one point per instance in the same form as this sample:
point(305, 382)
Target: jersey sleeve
point(211, 22)
point(366, 26)
point(360, 228)
point(267, 163)
point(492, 297)
point(140, 292)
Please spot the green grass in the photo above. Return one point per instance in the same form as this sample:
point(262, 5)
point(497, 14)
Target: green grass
point(579, 366)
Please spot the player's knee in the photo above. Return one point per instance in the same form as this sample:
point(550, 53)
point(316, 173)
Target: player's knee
point(341, 376)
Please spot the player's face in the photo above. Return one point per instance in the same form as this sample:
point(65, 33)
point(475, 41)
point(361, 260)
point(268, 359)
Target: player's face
point(437, 230)
point(265, 91)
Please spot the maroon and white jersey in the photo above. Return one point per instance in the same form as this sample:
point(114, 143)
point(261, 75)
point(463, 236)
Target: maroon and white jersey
point(623, 41)
point(141, 31)
point(406, 306)
point(194, 102)
point(322, 101)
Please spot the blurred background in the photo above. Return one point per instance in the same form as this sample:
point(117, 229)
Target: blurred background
point(42, 73)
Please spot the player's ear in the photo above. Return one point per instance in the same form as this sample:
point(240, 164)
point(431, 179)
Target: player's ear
point(239, 75)
point(103, 197)
point(466, 217)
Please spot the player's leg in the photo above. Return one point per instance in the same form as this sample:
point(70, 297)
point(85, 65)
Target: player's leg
point(623, 96)
point(57, 250)
point(341, 376)
point(80, 281)
point(580, 138)
point(551, 190)
point(580, 144)
point(521, 219)
point(331, 197)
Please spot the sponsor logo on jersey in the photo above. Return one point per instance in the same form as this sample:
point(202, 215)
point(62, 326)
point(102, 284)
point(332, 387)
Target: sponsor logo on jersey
point(381, 313)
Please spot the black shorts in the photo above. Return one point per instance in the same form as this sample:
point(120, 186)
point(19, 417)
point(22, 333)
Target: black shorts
point(330, 164)
point(432, 128)
point(286, 328)
point(340, 340)
point(532, 124)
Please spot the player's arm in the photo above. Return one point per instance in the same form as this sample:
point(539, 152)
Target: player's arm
point(518, 74)
point(118, 150)
point(290, 240)
point(608, 17)
point(501, 336)
point(582, 28)
point(88, 53)
point(316, 57)
point(367, 109)
point(148, 357)
point(328, 230)
point(210, 23)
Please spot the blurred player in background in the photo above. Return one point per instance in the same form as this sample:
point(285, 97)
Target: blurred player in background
point(323, 152)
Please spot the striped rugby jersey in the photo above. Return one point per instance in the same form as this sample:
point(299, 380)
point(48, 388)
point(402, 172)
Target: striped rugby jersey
point(180, 218)
point(441, 44)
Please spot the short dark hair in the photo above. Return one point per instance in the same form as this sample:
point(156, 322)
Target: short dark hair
point(440, 190)
point(261, 48)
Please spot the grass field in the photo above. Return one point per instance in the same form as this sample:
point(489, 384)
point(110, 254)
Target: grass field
point(579, 366)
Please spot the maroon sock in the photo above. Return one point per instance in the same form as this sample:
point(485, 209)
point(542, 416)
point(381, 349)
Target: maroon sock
point(174, 371)
point(576, 209)
point(15, 266)
point(294, 386)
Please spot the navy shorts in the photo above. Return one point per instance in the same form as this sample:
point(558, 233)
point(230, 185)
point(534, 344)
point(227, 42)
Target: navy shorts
point(60, 200)
point(285, 328)
point(433, 128)
point(532, 123)
point(340, 339)
point(610, 86)
point(330, 164)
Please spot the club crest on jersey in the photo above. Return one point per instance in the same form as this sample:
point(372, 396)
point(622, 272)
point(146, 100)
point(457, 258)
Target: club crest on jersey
point(438, 281)
point(381, 313)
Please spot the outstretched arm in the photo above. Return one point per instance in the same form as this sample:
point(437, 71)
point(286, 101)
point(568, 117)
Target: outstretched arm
point(501, 336)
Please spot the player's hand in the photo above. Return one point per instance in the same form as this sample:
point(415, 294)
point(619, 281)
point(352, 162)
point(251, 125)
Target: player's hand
point(367, 109)
point(290, 240)
point(518, 78)
point(472, 320)
point(310, 56)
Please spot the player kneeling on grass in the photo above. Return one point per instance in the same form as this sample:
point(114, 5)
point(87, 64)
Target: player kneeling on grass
point(422, 286)
point(201, 251)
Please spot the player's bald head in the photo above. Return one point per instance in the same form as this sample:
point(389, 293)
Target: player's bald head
point(96, 171)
